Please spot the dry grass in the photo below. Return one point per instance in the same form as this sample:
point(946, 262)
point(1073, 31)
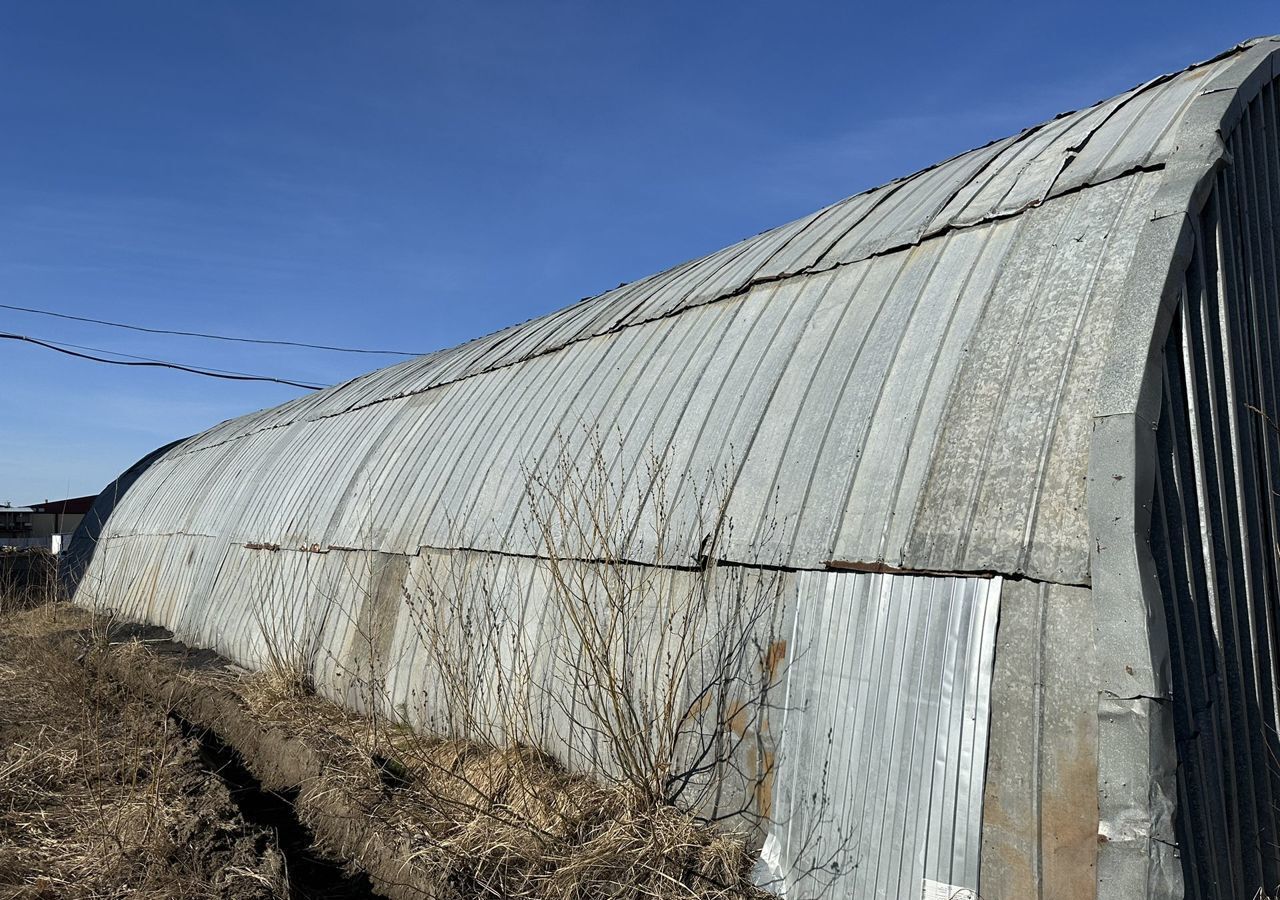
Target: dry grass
point(28, 579)
point(512, 823)
point(100, 795)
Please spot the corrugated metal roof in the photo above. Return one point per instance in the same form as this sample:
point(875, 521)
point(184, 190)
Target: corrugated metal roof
point(910, 379)
point(902, 377)
point(927, 407)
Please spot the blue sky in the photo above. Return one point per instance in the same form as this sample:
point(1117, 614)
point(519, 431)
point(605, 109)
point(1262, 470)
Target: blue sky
point(409, 175)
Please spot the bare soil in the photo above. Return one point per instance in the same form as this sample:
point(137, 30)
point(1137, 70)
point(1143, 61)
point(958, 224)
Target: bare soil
point(105, 794)
point(131, 765)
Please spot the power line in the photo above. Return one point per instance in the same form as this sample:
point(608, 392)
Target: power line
point(147, 362)
point(202, 334)
point(143, 358)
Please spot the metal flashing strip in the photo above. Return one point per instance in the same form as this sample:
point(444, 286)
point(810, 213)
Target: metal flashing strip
point(1216, 519)
point(1137, 759)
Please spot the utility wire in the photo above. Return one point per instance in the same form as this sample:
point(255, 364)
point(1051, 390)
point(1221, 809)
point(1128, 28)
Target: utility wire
point(153, 363)
point(201, 334)
point(143, 358)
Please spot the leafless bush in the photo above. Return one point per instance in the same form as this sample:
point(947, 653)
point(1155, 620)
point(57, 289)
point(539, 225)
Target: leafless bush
point(668, 660)
point(652, 668)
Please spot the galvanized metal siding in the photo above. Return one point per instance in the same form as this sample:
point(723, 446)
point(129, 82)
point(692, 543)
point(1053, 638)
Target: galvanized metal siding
point(1127, 133)
point(1005, 489)
point(873, 780)
point(1215, 534)
point(907, 377)
point(928, 408)
point(1040, 809)
point(883, 751)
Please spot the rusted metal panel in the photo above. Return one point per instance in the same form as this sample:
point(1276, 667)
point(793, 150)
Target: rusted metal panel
point(1040, 808)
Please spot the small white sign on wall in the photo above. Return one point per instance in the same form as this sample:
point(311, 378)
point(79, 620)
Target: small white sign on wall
point(937, 890)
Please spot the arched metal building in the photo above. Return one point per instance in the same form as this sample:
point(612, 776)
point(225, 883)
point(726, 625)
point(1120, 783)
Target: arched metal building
point(1004, 431)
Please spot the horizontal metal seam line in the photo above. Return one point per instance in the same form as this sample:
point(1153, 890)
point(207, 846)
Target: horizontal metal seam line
point(830, 566)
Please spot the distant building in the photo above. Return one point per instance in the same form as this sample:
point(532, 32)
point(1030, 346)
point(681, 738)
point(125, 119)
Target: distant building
point(58, 516)
point(15, 521)
point(47, 525)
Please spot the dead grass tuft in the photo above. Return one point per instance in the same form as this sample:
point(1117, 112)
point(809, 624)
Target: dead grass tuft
point(100, 796)
point(28, 579)
point(509, 822)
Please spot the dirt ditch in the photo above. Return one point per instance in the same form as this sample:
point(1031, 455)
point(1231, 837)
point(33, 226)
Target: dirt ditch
point(310, 874)
point(318, 803)
point(104, 796)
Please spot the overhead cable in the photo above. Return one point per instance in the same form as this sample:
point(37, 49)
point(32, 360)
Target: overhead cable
point(152, 363)
point(202, 334)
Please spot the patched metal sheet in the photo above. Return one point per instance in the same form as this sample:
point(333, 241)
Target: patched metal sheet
point(884, 736)
point(1040, 808)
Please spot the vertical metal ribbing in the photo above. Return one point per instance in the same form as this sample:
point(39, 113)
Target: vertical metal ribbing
point(882, 766)
point(1248, 327)
point(1215, 523)
point(1178, 545)
point(1266, 313)
point(1228, 525)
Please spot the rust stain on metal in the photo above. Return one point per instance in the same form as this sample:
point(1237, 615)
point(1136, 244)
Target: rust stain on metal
point(699, 706)
point(1050, 849)
point(153, 582)
point(1069, 815)
point(772, 659)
